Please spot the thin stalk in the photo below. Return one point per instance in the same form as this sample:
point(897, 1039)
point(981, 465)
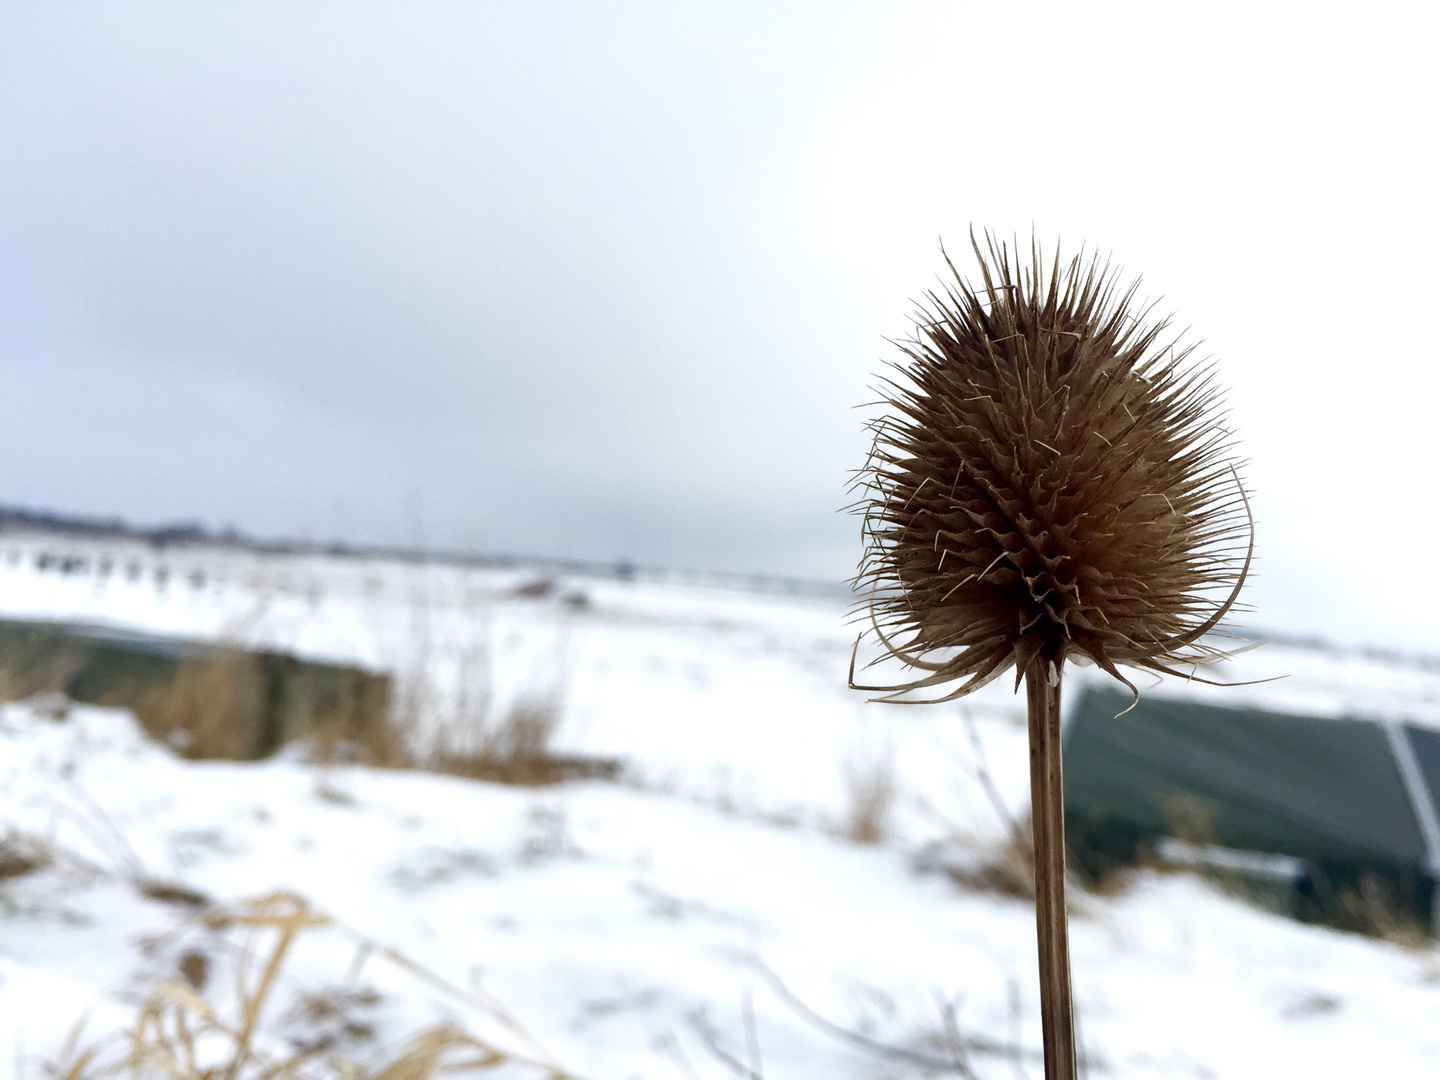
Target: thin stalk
point(1047, 803)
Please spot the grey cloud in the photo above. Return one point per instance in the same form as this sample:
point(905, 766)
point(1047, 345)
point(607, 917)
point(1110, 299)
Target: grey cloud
point(497, 263)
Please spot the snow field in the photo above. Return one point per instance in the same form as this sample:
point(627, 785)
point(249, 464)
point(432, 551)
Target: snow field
point(625, 925)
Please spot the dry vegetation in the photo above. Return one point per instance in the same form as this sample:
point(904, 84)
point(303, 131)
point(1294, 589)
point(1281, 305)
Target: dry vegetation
point(869, 797)
point(516, 750)
point(227, 1008)
point(1006, 867)
point(1371, 909)
point(203, 711)
point(234, 703)
point(469, 734)
point(200, 712)
point(22, 853)
point(192, 1026)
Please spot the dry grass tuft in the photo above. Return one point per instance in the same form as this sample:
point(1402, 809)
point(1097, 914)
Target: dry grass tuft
point(517, 749)
point(22, 853)
point(180, 1034)
point(534, 590)
point(459, 729)
point(201, 711)
point(1371, 908)
point(524, 734)
point(1009, 871)
point(1004, 868)
point(339, 735)
point(869, 797)
point(235, 704)
point(30, 665)
point(171, 892)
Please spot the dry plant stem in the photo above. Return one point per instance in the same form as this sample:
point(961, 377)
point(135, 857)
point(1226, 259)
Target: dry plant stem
point(1047, 800)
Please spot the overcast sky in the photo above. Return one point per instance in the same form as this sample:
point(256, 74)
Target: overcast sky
point(606, 280)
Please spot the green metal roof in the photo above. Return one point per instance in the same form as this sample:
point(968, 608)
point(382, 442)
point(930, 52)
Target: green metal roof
point(1320, 789)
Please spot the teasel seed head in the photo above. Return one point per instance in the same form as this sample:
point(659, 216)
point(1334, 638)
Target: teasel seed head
point(1052, 480)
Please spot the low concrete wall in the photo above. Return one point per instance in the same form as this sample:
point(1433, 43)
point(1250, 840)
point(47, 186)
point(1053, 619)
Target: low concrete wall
point(205, 700)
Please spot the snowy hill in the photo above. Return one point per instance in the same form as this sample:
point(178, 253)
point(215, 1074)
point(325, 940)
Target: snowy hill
point(638, 928)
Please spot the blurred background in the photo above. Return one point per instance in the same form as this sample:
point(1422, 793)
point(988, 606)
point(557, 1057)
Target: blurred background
point(607, 282)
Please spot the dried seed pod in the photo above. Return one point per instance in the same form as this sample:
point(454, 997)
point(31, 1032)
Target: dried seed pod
point(1054, 481)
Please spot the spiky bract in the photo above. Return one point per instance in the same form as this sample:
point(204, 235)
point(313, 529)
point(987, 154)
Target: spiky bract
point(1053, 481)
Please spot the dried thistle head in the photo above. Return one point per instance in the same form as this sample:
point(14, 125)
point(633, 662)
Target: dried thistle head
point(1053, 481)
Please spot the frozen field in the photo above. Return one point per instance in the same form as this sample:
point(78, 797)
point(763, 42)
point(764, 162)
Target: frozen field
point(707, 915)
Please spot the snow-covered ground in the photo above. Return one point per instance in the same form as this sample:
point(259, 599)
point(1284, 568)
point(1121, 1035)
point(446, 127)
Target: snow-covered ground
point(637, 928)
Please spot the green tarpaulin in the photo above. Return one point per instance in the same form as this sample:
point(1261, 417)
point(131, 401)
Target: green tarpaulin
point(1354, 799)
